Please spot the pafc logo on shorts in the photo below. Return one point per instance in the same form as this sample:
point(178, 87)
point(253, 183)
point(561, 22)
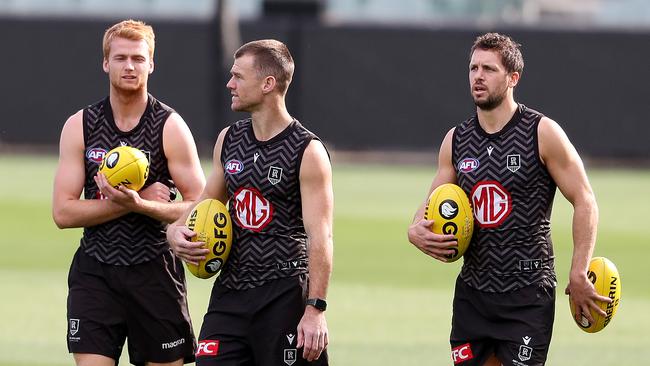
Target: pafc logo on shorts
point(74, 326)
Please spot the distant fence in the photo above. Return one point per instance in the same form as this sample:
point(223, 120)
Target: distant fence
point(358, 87)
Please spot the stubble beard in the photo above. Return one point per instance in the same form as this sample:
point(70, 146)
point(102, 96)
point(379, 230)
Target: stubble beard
point(492, 101)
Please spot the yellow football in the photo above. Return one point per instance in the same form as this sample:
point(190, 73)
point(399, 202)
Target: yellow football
point(607, 282)
point(449, 208)
point(126, 166)
point(211, 222)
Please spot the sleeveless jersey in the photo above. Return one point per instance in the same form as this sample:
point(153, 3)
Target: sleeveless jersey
point(511, 193)
point(132, 238)
point(262, 181)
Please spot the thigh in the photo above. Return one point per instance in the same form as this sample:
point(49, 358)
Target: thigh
point(96, 325)
point(471, 338)
point(159, 325)
point(526, 342)
point(222, 340)
point(274, 334)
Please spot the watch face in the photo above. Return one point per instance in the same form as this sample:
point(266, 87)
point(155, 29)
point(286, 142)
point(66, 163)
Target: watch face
point(319, 304)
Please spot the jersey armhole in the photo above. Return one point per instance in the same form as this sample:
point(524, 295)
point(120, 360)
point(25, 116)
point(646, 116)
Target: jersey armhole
point(224, 143)
point(536, 141)
point(454, 161)
point(85, 127)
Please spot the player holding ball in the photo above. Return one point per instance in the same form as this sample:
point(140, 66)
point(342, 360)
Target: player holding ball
point(268, 304)
point(124, 281)
point(509, 159)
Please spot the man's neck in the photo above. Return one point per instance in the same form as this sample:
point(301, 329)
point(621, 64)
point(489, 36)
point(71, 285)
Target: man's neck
point(268, 122)
point(128, 108)
point(494, 120)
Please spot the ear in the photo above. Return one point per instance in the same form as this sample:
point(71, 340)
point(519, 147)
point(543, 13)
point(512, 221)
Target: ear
point(151, 64)
point(105, 65)
point(513, 79)
point(268, 84)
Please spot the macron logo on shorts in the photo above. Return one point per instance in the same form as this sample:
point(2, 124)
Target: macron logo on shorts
point(461, 353)
point(207, 348)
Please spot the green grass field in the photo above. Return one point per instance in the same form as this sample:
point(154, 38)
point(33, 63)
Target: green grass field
point(389, 304)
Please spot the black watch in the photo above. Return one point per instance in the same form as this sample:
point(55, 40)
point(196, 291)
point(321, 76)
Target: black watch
point(319, 304)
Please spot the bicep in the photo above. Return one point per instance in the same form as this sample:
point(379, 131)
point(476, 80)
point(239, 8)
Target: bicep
point(70, 171)
point(562, 161)
point(216, 184)
point(446, 172)
point(316, 190)
point(182, 158)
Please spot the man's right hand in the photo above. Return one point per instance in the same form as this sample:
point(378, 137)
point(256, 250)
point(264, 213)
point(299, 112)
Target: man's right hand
point(430, 243)
point(179, 237)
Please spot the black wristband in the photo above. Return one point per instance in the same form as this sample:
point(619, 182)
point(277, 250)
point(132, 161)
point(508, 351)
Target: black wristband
point(319, 304)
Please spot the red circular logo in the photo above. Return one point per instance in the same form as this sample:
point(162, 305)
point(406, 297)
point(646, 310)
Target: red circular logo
point(491, 203)
point(252, 210)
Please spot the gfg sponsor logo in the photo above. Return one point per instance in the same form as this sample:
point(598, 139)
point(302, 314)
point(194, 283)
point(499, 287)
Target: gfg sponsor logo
point(461, 353)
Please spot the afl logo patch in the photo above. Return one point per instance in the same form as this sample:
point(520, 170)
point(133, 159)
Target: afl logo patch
point(234, 166)
point(468, 165)
point(96, 155)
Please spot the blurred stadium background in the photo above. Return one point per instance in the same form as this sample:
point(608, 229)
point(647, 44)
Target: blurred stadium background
point(381, 82)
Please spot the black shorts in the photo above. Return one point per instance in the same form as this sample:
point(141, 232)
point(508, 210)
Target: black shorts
point(515, 326)
point(255, 326)
point(144, 303)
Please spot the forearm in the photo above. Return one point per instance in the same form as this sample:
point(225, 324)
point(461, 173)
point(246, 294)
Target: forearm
point(86, 213)
point(168, 212)
point(320, 267)
point(585, 222)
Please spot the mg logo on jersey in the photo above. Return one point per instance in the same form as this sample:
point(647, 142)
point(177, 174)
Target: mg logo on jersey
point(491, 202)
point(234, 166)
point(252, 210)
point(461, 353)
point(96, 155)
point(468, 165)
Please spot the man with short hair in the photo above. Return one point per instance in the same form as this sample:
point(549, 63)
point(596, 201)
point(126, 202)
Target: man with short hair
point(504, 302)
point(269, 300)
point(124, 280)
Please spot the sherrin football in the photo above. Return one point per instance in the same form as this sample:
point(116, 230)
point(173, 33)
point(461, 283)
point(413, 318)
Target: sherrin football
point(449, 208)
point(211, 222)
point(125, 166)
point(607, 282)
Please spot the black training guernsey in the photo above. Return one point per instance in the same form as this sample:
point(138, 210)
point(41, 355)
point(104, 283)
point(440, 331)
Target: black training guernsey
point(262, 180)
point(132, 238)
point(511, 193)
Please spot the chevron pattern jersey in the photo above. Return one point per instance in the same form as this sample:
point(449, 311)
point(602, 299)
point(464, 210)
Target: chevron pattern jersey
point(132, 238)
point(262, 180)
point(511, 193)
